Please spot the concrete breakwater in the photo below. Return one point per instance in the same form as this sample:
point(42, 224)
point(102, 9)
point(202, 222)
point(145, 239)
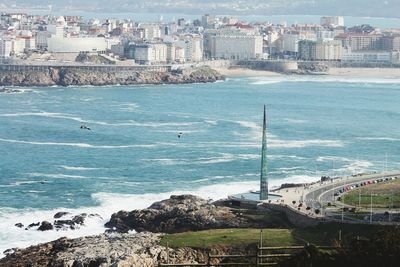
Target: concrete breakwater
point(269, 65)
point(102, 75)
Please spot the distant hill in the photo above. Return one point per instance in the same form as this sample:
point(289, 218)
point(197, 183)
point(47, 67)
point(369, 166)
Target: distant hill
point(372, 8)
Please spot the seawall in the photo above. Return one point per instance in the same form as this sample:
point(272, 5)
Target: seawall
point(269, 65)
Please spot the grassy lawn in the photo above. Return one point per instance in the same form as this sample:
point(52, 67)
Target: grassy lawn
point(231, 237)
point(383, 195)
point(324, 235)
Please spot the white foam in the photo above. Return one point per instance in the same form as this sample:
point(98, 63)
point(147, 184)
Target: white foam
point(129, 107)
point(80, 145)
point(325, 79)
point(12, 236)
point(81, 120)
point(276, 143)
point(78, 168)
point(57, 176)
point(294, 121)
point(221, 158)
point(379, 139)
point(265, 82)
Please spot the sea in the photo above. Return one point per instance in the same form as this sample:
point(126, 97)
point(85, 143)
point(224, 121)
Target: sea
point(146, 143)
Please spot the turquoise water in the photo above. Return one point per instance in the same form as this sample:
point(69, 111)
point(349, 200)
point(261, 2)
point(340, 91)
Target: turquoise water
point(132, 156)
point(382, 23)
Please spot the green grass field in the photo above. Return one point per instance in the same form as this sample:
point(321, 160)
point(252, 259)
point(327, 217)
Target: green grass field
point(384, 195)
point(232, 237)
point(325, 235)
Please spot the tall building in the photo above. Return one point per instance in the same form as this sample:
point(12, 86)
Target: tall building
point(5, 48)
point(76, 44)
point(207, 21)
point(233, 43)
point(264, 177)
point(328, 50)
point(307, 50)
point(320, 50)
point(334, 21)
point(361, 41)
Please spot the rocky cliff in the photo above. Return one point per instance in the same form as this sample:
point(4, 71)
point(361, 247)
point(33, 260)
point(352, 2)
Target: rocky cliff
point(180, 214)
point(65, 77)
point(115, 250)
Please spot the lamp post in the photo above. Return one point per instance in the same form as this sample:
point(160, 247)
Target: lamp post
point(370, 218)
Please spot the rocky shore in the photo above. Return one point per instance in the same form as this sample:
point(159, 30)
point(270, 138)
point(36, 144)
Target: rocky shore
point(65, 77)
point(118, 246)
point(180, 214)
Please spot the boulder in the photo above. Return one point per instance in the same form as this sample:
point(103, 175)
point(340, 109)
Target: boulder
point(45, 226)
point(60, 214)
point(19, 225)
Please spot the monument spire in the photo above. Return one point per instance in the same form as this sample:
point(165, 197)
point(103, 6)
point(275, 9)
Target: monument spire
point(264, 178)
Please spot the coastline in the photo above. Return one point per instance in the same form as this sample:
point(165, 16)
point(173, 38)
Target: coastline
point(341, 72)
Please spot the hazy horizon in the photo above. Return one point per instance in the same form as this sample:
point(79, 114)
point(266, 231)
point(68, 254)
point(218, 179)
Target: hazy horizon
point(367, 8)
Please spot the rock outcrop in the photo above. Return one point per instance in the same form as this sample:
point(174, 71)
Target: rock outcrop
point(312, 68)
point(62, 223)
point(102, 250)
point(180, 214)
point(115, 250)
point(65, 77)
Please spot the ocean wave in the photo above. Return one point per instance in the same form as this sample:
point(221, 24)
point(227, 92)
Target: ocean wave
point(57, 176)
point(80, 145)
point(222, 158)
point(81, 120)
point(265, 82)
point(272, 143)
point(17, 183)
point(129, 107)
point(276, 143)
point(332, 158)
point(325, 79)
point(379, 139)
point(78, 168)
point(294, 121)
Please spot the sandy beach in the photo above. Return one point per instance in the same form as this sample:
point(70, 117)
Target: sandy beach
point(342, 72)
point(365, 72)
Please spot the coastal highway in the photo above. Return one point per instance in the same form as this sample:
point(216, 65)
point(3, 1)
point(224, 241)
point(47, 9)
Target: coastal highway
point(324, 193)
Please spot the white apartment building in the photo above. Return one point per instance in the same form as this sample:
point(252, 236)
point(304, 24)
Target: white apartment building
point(76, 44)
point(41, 39)
point(193, 46)
point(160, 52)
point(150, 31)
point(234, 43)
point(5, 48)
point(151, 53)
point(144, 54)
point(328, 50)
point(366, 56)
point(171, 52)
point(334, 21)
point(291, 40)
point(18, 45)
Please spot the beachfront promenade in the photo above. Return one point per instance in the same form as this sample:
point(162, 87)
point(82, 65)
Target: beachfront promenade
point(316, 196)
